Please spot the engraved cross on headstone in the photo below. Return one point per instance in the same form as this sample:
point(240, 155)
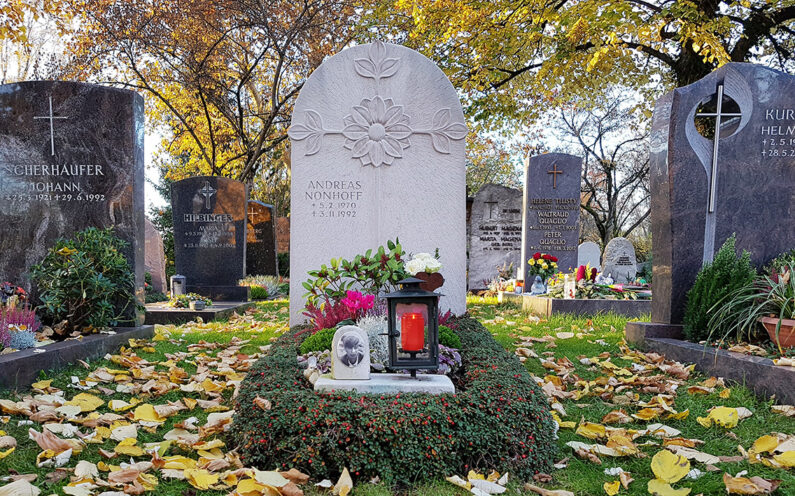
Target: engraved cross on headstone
point(491, 204)
point(252, 212)
point(51, 117)
point(207, 192)
point(555, 173)
point(718, 115)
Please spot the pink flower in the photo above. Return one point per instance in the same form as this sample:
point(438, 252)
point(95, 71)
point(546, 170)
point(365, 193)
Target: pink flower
point(358, 303)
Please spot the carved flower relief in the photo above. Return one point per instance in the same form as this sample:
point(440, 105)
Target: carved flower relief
point(376, 131)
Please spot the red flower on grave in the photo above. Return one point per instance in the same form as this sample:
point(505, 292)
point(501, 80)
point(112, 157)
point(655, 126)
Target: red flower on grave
point(536, 256)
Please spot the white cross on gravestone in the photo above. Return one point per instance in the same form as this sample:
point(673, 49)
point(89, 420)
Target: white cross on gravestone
point(253, 213)
point(51, 117)
point(709, 224)
point(207, 192)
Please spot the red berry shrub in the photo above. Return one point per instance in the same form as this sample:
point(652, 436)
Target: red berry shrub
point(499, 419)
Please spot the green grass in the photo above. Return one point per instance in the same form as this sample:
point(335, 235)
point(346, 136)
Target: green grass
point(507, 323)
point(586, 478)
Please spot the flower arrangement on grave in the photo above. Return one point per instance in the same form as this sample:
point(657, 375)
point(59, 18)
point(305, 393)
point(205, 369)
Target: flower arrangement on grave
point(184, 300)
point(767, 302)
point(589, 285)
point(542, 264)
point(374, 273)
point(426, 267)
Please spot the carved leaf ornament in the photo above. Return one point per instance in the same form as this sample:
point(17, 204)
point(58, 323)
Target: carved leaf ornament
point(377, 130)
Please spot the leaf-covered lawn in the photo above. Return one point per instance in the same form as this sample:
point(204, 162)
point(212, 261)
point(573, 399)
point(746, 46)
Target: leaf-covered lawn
point(598, 340)
point(189, 373)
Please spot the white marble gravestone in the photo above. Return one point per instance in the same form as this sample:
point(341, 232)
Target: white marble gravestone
point(589, 253)
point(350, 354)
point(378, 153)
point(619, 261)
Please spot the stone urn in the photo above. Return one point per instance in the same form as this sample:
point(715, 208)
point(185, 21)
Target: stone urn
point(197, 305)
point(786, 333)
point(432, 281)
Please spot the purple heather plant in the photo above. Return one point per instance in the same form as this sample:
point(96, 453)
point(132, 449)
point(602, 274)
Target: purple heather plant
point(18, 326)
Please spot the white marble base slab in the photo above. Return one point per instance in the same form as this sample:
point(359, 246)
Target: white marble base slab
point(389, 384)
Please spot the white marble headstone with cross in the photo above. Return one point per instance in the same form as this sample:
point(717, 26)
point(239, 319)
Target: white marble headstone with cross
point(378, 145)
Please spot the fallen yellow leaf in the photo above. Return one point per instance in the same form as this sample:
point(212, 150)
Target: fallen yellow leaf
point(657, 487)
point(147, 413)
point(669, 467)
point(128, 447)
point(722, 416)
point(612, 488)
point(344, 484)
point(200, 479)
point(86, 402)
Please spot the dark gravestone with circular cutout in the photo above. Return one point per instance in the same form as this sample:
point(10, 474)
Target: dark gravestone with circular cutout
point(702, 193)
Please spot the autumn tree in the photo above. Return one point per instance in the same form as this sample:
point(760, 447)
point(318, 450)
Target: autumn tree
point(514, 57)
point(220, 77)
point(612, 139)
point(489, 160)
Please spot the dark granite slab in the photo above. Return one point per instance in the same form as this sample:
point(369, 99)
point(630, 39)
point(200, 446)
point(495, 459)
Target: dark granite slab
point(638, 332)
point(546, 307)
point(210, 233)
point(261, 257)
point(759, 374)
point(158, 313)
point(71, 157)
point(753, 184)
point(551, 209)
point(221, 293)
point(20, 369)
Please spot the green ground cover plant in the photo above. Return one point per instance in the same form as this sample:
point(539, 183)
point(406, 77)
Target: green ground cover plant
point(498, 419)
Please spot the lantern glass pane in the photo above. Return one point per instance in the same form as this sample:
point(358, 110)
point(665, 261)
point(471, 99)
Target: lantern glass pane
point(411, 320)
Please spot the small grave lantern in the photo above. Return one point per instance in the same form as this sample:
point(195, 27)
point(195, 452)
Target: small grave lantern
point(177, 285)
point(413, 327)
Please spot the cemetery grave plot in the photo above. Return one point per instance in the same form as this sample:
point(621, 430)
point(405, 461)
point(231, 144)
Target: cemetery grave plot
point(238, 342)
point(495, 235)
point(718, 171)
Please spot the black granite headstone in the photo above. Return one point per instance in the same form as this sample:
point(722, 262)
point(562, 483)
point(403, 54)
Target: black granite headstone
point(752, 195)
point(551, 209)
point(71, 157)
point(210, 235)
point(261, 257)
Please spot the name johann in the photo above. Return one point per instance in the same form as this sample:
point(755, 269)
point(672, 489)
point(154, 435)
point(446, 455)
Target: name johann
point(53, 170)
point(207, 218)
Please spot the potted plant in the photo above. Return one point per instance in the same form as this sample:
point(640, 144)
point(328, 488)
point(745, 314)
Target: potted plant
point(769, 300)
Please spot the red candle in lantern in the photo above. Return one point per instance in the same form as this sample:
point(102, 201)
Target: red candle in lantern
point(412, 331)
